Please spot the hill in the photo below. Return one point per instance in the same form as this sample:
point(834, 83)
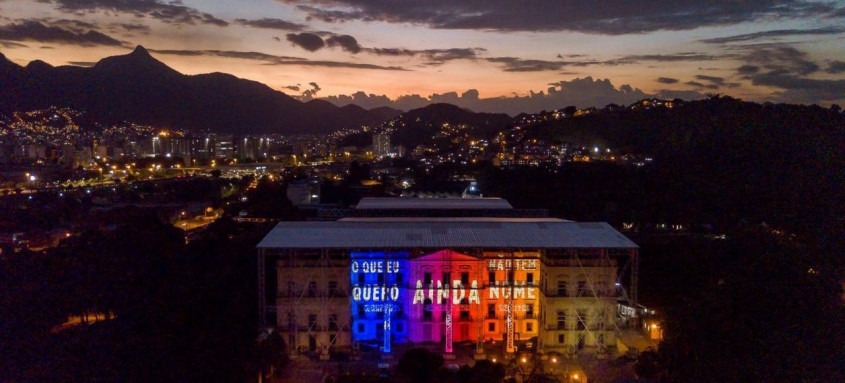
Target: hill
point(139, 88)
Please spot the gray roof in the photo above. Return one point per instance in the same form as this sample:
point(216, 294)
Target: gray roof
point(433, 203)
point(415, 233)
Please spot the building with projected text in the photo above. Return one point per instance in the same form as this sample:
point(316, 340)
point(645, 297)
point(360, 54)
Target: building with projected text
point(443, 271)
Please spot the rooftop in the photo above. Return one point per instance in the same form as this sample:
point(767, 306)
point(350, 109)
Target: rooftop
point(387, 233)
point(433, 203)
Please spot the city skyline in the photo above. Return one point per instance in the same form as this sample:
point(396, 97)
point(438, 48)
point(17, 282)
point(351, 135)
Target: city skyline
point(489, 56)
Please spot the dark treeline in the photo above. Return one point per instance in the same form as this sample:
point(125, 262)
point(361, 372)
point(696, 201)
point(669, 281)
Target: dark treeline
point(762, 303)
point(174, 312)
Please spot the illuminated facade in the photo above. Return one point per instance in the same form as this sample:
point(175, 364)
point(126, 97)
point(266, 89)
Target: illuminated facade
point(380, 282)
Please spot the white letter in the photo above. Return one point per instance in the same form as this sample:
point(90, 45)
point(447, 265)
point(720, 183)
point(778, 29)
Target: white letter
point(473, 294)
point(418, 293)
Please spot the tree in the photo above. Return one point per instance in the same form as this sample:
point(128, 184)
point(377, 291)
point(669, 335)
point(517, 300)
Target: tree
point(272, 353)
point(486, 371)
point(647, 366)
point(766, 312)
point(419, 365)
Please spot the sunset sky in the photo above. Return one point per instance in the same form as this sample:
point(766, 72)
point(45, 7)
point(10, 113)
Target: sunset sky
point(497, 55)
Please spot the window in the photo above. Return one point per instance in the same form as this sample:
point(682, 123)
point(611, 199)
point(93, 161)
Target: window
point(582, 318)
point(561, 320)
point(446, 278)
point(491, 311)
point(333, 287)
point(380, 279)
point(427, 278)
point(529, 278)
point(312, 288)
point(529, 312)
point(561, 338)
point(491, 327)
point(312, 321)
point(399, 279)
point(582, 288)
point(361, 327)
point(427, 309)
point(291, 288)
point(561, 289)
point(510, 277)
point(465, 279)
point(491, 276)
point(464, 308)
point(333, 322)
point(361, 310)
point(360, 279)
point(529, 326)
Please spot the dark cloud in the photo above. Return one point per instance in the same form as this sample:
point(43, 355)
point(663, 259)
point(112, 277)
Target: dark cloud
point(331, 16)
point(11, 45)
point(391, 51)
point(836, 67)
point(440, 56)
point(583, 92)
point(432, 56)
point(294, 88)
point(346, 42)
point(747, 69)
point(133, 27)
point(308, 41)
point(231, 54)
point(782, 58)
point(611, 17)
point(712, 79)
point(86, 64)
point(676, 57)
point(515, 64)
point(774, 34)
point(74, 25)
point(339, 64)
point(801, 89)
point(701, 85)
point(36, 31)
point(309, 94)
point(667, 80)
point(716, 82)
point(268, 23)
point(170, 11)
point(268, 59)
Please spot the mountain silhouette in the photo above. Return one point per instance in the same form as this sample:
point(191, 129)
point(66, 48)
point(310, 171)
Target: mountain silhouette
point(418, 126)
point(137, 87)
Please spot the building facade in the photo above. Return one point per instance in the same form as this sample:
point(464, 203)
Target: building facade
point(381, 281)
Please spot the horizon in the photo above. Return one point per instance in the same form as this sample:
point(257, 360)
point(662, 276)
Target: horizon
point(545, 56)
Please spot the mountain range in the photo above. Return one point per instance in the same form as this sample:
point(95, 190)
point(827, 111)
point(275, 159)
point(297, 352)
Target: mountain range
point(136, 87)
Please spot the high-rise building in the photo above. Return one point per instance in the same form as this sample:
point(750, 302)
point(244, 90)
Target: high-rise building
point(381, 145)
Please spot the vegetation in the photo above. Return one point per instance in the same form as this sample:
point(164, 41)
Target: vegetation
point(173, 312)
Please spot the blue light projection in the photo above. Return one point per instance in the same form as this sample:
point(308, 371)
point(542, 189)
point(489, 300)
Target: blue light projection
point(379, 286)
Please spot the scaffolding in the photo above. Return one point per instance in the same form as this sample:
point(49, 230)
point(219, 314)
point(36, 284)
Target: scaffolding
point(594, 297)
point(310, 298)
